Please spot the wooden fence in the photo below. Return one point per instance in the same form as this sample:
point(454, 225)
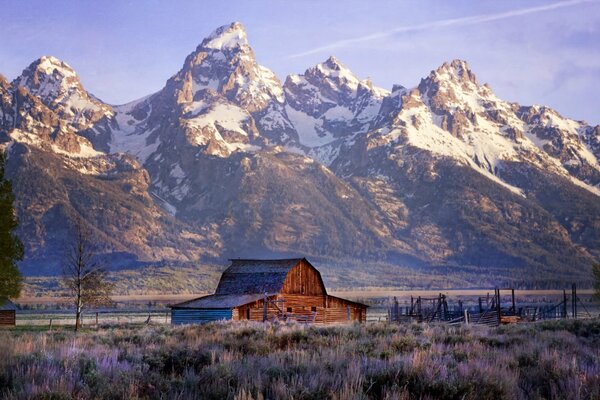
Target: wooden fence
point(489, 310)
point(52, 318)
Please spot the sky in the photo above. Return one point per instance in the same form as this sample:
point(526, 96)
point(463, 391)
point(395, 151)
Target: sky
point(531, 52)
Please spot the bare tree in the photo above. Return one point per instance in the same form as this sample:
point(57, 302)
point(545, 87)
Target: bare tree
point(85, 280)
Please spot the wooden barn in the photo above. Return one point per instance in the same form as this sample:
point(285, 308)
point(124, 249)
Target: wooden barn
point(267, 290)
point(8, 312)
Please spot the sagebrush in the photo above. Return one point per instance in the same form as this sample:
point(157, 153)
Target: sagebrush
point(289, 361)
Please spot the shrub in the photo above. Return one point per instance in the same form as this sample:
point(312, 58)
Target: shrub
point(280, 361)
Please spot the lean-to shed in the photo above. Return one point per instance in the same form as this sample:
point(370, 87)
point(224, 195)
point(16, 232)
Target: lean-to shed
point(259, 290)
point(7, 312)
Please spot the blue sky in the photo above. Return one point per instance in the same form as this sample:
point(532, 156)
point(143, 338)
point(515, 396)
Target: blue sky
point(534, 52)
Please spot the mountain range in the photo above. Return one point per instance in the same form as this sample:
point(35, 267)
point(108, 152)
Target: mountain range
point(228, 161)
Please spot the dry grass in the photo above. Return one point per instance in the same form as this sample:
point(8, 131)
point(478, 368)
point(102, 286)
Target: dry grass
point(265, 361)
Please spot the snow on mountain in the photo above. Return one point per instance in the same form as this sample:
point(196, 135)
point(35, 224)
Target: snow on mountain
point(407, 172)
point(224, 126)
point(131, 133)
point(567, 141)
point(58, 86)
point(218, 101)
point(27, 119)
point(450, 114)
point(224, 62)
point(329, 105)
point(227, 37)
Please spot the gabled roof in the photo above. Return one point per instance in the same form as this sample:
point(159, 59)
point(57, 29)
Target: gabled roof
point(255, 276)
point(7, 305)
point(220, 301)
point(246, 281)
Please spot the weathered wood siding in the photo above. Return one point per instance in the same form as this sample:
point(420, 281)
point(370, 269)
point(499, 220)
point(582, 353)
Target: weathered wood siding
point(354, 311)
point(303, 279)
point(7, 317)
point(255, 311)
point(329, 309)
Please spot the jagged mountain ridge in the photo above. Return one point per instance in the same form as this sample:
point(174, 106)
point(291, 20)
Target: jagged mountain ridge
point(325, 164)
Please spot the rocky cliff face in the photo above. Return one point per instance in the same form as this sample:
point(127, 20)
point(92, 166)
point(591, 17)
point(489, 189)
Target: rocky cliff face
point(225, 161)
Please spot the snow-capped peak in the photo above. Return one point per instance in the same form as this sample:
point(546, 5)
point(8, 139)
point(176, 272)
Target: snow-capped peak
point(333, 69)
point(224, 63)
point(58, 87)
point(457, 70)
point(56, 70)
point(50, 65)
point(226, 37)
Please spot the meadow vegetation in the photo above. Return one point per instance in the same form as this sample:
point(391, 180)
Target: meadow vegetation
point(559, 359)
point(243, 361)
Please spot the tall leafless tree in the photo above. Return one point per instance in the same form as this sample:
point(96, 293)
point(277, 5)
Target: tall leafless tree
point(83, 277)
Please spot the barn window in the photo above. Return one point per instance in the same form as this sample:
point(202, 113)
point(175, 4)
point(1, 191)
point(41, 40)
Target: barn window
point(248, 313)
point(313, 308)
point(289, 309)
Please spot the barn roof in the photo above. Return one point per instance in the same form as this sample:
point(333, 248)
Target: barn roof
point(7, 305)
point(246, 281)
point(220, 301)
point(255, 276)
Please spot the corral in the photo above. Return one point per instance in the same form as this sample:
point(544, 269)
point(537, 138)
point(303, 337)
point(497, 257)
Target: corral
point(490, 310)
point(267, 290)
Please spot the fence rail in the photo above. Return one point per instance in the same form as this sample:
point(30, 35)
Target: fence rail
point(489, 311)
point(93, 317)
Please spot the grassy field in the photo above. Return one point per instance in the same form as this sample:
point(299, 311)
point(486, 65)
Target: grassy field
point(548, 360)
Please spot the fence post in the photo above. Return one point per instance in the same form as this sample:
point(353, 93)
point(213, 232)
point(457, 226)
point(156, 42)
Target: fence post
point(574, 300)
point(514, 305)
point(498, 306)
point(265, 308)
point(96, 320)
point(564, 304)
point(50, 324)
point(466, 317)
point(445, 306)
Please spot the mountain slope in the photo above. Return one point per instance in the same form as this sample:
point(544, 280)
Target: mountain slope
point(328, 106)
point(59, 178)
point(225, 161)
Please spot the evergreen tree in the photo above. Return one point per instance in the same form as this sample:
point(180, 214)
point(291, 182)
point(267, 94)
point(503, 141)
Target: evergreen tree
point(11, 248)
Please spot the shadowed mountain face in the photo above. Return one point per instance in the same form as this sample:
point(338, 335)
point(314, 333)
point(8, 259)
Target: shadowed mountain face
point(227, 161)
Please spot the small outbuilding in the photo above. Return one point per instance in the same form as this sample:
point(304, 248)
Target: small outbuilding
point(8, 312)
point(267, 290)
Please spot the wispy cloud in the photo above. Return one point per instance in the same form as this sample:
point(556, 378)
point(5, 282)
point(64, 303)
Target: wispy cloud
point(440, 24)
